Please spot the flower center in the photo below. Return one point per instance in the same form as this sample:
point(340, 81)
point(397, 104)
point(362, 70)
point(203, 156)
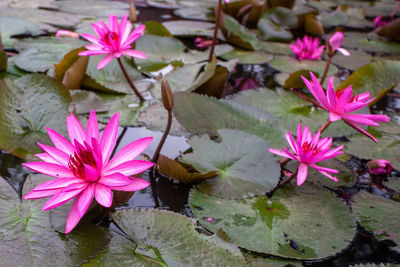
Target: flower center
point(78, 159)
point(111, 37)
point(353, 99)
point(306, 147)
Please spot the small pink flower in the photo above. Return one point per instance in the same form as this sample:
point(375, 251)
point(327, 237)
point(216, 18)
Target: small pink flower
point(379, 166)
point(341, 103)
point(64, 33)
point(113, 41)
point(308, 48)
point(308, 150)
point(379, 22)
point(226, 1)
point(83, 169)
point(200, 42)
point(334, 44)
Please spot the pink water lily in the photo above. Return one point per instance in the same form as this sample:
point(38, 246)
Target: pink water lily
point(113, 40)
point(342, 103)
point(379, 22)
point(335, 42)
point(83, 168)
point(379, 166)
point(308, 150)
point(308, 48)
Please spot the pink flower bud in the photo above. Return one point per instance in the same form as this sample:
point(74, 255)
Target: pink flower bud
point(379, 166)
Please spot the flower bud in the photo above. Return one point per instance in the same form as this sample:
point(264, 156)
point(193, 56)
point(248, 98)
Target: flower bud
point(132, 13)
point(379, 166)
point(167, 95)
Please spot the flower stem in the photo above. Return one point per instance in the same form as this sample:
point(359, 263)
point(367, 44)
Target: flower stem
point(288, 179)
point(135, 90)
point(214, 40)
point(328, 63)
point(324, 126)
point(303, 96)
point(163, 138)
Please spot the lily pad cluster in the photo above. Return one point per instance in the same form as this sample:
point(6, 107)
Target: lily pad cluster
point(239, 214)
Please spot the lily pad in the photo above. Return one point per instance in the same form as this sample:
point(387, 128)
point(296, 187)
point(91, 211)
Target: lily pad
point(23, 118)
point(276, 48)
point(363, 58)
point(290, 64)
point(239, 35)
point(248, 57)
point(164, 238)
point(213, 114)
point(291, 110)
point(111, 78)
point(241, 160)
point(96, 8)
point(192, 28)
point(27, 237)
point(306, 222)
point(273, 24)
point(379, 215)
point(370, 43)
point(378, 78)
point(195, 13)
point(11, 26)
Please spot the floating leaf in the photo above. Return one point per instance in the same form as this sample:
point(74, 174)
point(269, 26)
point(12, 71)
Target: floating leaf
point(363, 58)
point(164, 238)
point(11, 26)
point(276, 48)
point(212, 114)
point(27, 237)
point(96, 8)
point(84, 101)
point(175, 171)
point(306, 222)
point(23, 120)
point(378, 78)
point(239, 35)
point(192, 28)
point(291, 110)
point(379, 215)
point(248, 57)
point(156, 28)
point(273, 24)
point(244, 166)
point(289, 64)
point(369, 43)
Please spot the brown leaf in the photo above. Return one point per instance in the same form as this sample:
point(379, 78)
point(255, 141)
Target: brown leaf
point(215, 86)
point(313, 26)
point(175, 171)
point(74, 75)
point(391, 30)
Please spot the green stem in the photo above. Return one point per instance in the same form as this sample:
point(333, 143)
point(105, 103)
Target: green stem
point(214, 40)
point(163, 138)
point(328, 63)
point(135, 90)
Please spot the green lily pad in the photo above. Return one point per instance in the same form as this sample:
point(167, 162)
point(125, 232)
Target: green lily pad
point(164, 238)
point(244, 165)
point(276, 48)
point(195, 13)
point(239, 35)
point(333, 19)
point(306, 222)
point(248, 57)
point(289, 64)
point(28, 238)
point(273, 24)
point(379, 215)
point(192, 28)
point(212, 114)
point(363, 58)
point(11, 26)
point(378, 78)
point(370, 43)
point(111, 78)
point(50, 44)
point(291, 110)
point(33, 60)
point(96, 8)
point(23, 120)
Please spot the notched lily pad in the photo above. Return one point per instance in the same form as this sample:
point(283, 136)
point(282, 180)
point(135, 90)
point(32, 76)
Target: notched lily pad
point(11, 26)
point(241, 160)
point(306, 222)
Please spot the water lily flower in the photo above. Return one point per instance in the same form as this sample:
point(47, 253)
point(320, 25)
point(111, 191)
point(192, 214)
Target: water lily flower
point(335, 42)
point(379, 166)
point(342, 103)
point(379, 22)
point(308, 48)
point(113, 40)
point(83, 168)
point(308, 150)
point(65, 33)
point(200, 42)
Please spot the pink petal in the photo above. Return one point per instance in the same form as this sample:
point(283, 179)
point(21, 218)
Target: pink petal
point(103, 195)
point(41, 194)
point(130, 167)
point(56, 154)
point(302, 173)
point(336, 40)
point(61, 198)
point(56, 184)
point(46, 157)
point(135, 185)
point(49, 169)
point(129, 152)
point(107, 59)
point(92, 130)
point(93, 52)
point(279, 153)
point(115, 179)
point(75, 130)
point(109, 137)
point(323, 169)
point(60, 142)
point(85, 198)
point(333, 116)
point(134, 53)
point(329, 176)
point(73, 216)
point(344, 52)
point(91, 173)
point(355, 126)
point(90, 38)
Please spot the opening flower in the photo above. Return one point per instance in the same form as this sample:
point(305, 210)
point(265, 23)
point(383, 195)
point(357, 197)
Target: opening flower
point(113, 40)
point(334, 44)
point(308, 150)
point(342, 103)
point(83, 169)
point(308, 48)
